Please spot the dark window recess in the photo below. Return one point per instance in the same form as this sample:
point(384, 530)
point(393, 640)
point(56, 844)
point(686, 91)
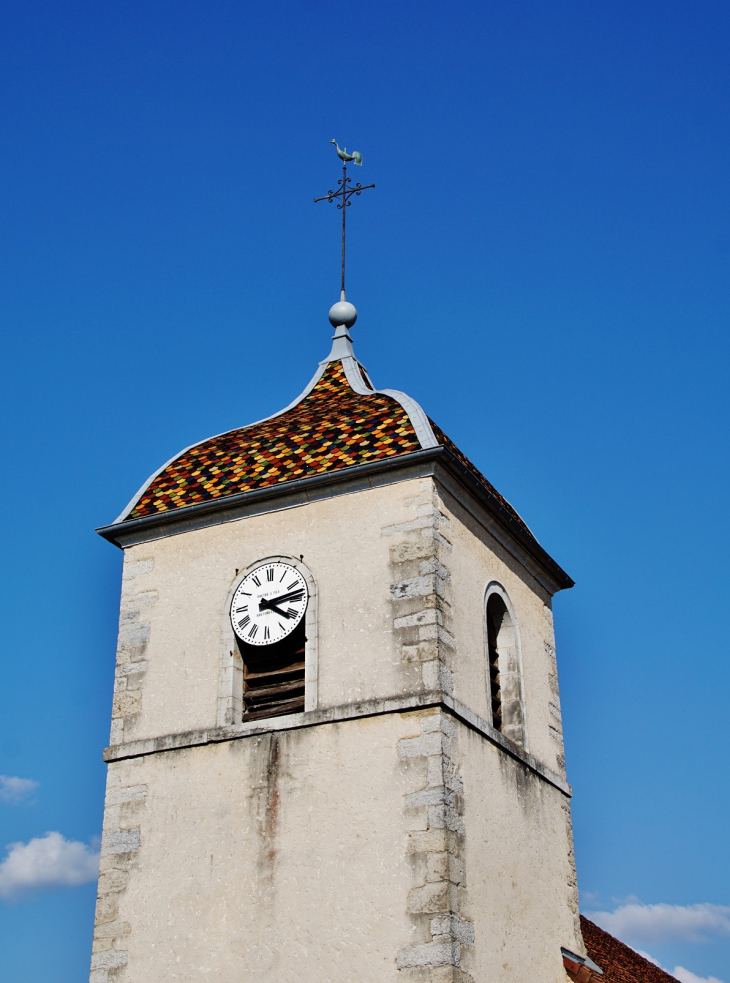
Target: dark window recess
point(273, 676)
point(495, 613)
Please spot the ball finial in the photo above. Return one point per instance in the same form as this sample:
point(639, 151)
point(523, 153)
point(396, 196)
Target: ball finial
point(343, 312)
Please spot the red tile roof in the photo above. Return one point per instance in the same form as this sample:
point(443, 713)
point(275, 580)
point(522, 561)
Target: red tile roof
point(619, 962)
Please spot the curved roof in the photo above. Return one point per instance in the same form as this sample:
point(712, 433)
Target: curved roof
point(339, 421)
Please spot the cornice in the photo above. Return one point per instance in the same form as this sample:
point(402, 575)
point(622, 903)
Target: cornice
point(434, 461)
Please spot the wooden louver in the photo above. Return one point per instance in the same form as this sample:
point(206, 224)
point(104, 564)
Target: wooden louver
point(273, 677)
point(495, 689)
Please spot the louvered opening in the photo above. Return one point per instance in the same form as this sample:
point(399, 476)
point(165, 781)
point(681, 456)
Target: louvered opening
point(273, 677)
point(495, 611)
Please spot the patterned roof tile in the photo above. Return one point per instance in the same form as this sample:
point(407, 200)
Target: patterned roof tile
point(333, 427)
point(330, 428)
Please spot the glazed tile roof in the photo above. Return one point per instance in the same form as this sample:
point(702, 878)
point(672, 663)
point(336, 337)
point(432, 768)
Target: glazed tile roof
point(620, 963)
point(331, 427)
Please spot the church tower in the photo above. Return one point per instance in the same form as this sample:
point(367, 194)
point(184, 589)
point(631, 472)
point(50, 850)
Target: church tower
point(336, 749)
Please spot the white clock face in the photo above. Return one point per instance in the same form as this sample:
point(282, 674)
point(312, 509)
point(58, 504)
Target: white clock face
point(269, 603)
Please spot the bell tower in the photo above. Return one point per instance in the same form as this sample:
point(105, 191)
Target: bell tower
point(336, 750)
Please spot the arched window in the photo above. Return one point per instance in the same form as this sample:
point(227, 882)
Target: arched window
point(504, 669)
point(270, 680)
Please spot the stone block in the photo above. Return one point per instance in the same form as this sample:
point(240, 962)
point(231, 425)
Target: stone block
point(114, 880)
point(135, 636)
point(456, 928)
point(112, 959)
point(457, 871)
point(437, 867)
point(435, 567)
point(138, 599)
point(412, 747)
point(419, 651)
point(107, 908)
point(428, 841)
point(414, 525)
point(136, 568)
point(431, 722)
point(436, 770)
point(429, 899)
point(429, 616)
point(120, 841)
point(124, 704)
point(429, 954)
point(450, 974)
point(427, 797)
point(436, 676)
point(405, 552)
point(127, 793)
point(112, 930)
point(417, 587)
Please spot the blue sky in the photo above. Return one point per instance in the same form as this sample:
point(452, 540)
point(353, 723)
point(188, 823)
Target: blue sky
point(544, 264)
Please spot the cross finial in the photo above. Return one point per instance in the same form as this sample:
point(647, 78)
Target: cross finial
point(344, 313)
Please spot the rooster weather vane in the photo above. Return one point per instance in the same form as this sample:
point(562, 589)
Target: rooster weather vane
point(344, 191)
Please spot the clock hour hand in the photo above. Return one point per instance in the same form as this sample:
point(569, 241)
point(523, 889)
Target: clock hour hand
point(263, 603)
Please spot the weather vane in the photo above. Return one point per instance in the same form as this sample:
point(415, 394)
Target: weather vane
point(345, 190)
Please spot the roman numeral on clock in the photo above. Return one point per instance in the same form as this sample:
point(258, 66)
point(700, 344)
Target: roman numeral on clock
point(242, 624)
point(256, 580)
point(270, 573)
point(252, 632)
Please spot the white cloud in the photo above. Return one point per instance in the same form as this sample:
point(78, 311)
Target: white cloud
point(45, 862)
point(16, 789)
point(687, 976)
point(644, 924)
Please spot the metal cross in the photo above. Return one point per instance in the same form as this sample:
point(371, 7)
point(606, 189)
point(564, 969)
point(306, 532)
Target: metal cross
point(345, 191)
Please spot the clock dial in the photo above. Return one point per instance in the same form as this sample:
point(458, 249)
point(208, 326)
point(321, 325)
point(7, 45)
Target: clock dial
point(269, 603)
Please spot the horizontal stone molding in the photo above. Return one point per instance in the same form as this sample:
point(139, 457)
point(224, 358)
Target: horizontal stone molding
point(331, 715)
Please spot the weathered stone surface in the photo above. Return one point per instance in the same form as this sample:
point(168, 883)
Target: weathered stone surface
point(112, 930)
point(429, 898)
point(128, 793)
point(114, 880)
point(126, 703)
point(107, 908)
point(429, 954)
point(120, 841)
point(112, 959)
point(344, 835)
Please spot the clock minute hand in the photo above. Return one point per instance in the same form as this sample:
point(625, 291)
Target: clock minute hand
point(294, 595)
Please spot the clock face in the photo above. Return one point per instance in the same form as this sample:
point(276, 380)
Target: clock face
point(269, 603)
